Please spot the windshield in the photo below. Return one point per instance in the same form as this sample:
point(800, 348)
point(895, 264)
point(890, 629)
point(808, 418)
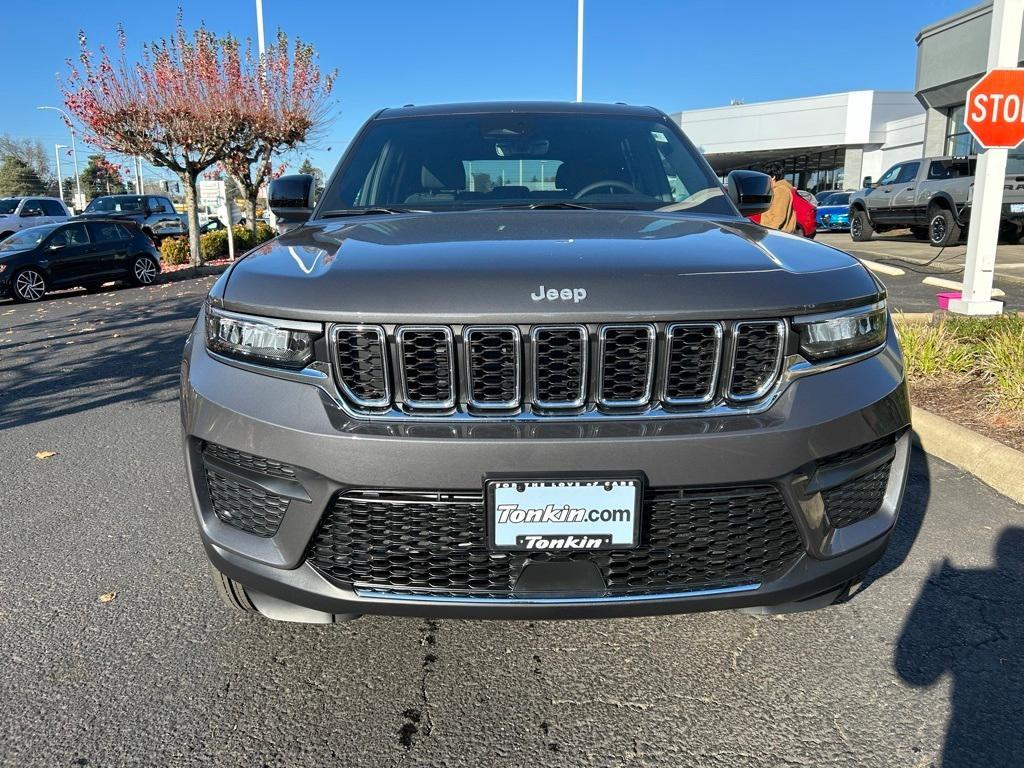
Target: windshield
point(453, 162)
point(836, 198)
point(9, 205)
point(115, 204)
point(26, 238)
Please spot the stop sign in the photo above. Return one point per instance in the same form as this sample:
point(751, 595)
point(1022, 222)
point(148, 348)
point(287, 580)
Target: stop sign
point(995, 108)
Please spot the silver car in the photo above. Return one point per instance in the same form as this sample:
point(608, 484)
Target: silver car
point(17, 213)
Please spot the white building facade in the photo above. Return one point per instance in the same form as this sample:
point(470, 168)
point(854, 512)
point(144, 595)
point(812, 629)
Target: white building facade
point(822, 142)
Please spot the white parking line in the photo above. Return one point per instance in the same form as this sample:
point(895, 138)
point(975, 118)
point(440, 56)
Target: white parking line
point(954, 285)
point(883, 269)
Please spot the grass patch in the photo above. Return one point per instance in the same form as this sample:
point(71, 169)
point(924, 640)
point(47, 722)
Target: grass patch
point(986, 352)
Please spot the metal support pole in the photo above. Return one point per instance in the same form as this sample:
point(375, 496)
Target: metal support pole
point(986, 209)
point(60, 181)
point(579, 50)
point(259, 27)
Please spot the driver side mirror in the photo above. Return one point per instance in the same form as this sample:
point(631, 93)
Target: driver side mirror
point(750, 191)
point(55, 246)
point(868, 184)
point(291, 198)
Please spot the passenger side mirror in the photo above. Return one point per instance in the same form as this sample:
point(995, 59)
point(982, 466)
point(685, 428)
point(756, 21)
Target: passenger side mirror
point(867, 182)
point(158, 209)
point(28, 212)
point(750, 191)
point(291, 198)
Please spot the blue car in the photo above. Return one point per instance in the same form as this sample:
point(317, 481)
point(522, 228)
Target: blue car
point(834, 211)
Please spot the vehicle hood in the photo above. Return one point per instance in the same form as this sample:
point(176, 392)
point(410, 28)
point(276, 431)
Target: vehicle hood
point(488, 266)
point(109, 215)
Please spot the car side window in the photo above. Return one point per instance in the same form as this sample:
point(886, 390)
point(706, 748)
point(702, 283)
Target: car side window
point(105, 232)
point(907, 173)
point(32, 208)
point(53, 208)
point(156, 205)
point(889, 177)
point(73, 234)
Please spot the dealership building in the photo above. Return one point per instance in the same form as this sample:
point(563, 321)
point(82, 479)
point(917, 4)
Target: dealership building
point(835, 140)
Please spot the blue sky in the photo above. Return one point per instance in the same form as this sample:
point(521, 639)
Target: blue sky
point(672, 54)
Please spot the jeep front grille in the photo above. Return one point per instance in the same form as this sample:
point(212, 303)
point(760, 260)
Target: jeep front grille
point(552, 370)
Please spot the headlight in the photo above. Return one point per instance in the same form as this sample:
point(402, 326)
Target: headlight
point(282, 343)
point(842, 333)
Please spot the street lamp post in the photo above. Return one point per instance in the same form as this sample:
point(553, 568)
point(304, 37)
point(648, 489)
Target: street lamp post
point(259, 27)
point(74, 152)
point(579, 51)
point(60, 180)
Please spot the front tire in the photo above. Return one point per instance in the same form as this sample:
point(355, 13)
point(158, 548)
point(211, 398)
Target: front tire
point(860, 227)
point(28, 286)
point(144, 270)
point(231, 593)
point(942, 228)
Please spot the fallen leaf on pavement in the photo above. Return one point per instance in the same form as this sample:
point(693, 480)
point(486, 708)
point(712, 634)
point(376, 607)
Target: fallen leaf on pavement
point(45, 454)
point(106, 597)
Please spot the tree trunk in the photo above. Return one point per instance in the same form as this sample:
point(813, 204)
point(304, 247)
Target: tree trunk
point(192, 205)
point(252, 210)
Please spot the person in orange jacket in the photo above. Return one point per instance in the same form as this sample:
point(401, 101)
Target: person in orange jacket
point(780, 215)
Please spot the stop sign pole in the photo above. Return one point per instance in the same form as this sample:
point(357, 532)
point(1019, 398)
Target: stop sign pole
point(986, 118)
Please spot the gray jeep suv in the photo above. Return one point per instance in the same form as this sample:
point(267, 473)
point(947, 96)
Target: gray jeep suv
point(531, 360)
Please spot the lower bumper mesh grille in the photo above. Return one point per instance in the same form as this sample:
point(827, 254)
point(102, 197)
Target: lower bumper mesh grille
point(857, 499)
point(437, 544)
point(244, 507)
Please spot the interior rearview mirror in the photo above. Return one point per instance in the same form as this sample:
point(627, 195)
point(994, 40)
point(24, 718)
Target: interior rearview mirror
point(291, 198)
point(750, 191)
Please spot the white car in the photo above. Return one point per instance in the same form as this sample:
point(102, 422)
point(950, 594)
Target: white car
point(17, 213)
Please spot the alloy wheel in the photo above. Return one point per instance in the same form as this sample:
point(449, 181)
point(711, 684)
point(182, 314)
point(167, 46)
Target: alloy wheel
point(30, 285)
point(938, 228)
point(855, 228)
point(145, 271)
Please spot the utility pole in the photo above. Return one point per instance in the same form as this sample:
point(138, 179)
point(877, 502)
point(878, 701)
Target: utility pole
point(79, 200)
point(259, 27)
point(983, 233)
point(60, 180)
point(579, 50)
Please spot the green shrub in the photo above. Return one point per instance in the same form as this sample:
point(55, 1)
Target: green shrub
point(243, 239)
point(264, 232)
point(930, 350)
point(174, 250)
point(1002, 363)
point(214, 245)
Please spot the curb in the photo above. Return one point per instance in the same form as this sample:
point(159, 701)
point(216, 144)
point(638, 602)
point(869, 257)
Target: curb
point(998, 466)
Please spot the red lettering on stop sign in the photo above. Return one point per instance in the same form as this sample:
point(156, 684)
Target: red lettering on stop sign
point(995, 109)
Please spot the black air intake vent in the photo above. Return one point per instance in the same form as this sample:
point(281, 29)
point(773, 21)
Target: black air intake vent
point(757, 358)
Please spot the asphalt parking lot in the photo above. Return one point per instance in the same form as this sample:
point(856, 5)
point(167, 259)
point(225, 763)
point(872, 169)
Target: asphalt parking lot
point(925, 667)
point(919, 261)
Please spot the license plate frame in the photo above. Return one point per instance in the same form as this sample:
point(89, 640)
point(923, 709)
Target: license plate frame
point(538, 492)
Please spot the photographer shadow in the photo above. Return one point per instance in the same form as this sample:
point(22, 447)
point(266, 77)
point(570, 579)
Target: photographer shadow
point(969, 623)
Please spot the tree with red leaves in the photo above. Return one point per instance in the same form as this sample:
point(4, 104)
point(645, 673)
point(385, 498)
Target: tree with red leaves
point(191, 102)
point(295, 103)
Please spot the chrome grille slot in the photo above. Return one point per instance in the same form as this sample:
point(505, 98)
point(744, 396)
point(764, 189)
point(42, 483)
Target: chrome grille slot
point(362, 369)
point(693, 353)
point(626, 361)
point(493, 357)
point(426, 365)
point(559, 366)
point(757, 349)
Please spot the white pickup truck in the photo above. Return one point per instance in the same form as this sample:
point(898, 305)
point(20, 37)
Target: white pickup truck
point(932, 196)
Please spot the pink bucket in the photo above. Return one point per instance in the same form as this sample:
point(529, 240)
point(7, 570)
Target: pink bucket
point(944, 298)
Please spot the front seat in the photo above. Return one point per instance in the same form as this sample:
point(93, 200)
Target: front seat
point(440, 179)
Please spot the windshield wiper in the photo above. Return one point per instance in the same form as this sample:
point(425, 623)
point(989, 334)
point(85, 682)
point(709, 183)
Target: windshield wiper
point(375, 211)
point(553, 205)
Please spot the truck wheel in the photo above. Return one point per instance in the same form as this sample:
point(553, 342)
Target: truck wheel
point(860, 227)
point(942, 228)
point(919, 233)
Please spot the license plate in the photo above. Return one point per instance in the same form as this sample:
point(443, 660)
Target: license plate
point(1016, 207)
point(559, 515)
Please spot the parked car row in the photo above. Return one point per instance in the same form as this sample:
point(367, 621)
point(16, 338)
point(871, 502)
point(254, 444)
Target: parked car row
point(75, 253)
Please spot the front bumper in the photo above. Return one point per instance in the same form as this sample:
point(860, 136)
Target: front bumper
point(291, 422)
point(834, 223)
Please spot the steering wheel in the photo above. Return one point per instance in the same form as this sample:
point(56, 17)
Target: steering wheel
point(629, 188)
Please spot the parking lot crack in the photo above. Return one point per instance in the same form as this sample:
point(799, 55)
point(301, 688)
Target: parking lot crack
point(418, 720)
